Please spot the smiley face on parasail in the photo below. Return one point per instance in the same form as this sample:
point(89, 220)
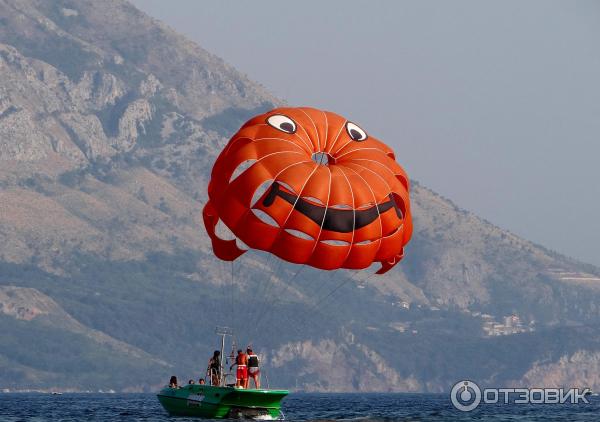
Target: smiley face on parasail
point(312, 188)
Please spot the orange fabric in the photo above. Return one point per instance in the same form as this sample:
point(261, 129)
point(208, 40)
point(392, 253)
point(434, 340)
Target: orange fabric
point(347, 213)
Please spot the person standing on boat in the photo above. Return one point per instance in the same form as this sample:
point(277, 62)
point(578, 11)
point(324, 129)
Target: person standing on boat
point(253, 369)
point(241, 376)
point(214, 368)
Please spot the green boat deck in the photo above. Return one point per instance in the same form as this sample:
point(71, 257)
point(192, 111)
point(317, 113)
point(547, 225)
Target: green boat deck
point(208, 401)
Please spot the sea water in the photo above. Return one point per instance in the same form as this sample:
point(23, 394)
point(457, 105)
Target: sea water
point(296, 407)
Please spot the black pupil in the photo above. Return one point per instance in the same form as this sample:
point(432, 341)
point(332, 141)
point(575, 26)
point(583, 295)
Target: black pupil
point(355, 134)
point(287, 127)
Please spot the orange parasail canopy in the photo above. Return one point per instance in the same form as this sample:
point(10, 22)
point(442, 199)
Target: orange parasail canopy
point(312, 188)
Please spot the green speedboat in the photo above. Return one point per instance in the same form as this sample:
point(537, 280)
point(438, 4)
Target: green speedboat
point(222, 400)
point(209, 401)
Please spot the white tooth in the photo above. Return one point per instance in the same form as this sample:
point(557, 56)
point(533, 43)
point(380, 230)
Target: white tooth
point(242, 167)
point(260, 191)
point(334, 242)
point(264, 217)
point(313, 199)
point(299, 234)
point(285, 185)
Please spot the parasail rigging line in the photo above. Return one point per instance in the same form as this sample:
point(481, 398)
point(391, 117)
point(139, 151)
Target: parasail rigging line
point(310, 175)
point(260, 296)
point(269, 309)
point(325, 300)
point(232, 288)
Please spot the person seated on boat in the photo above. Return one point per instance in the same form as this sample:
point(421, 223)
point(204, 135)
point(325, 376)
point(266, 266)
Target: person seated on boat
point(190, 382)
point(241, 375)
point(173, 382)
point(201, 381)
point(214, 368)
point(253, 369)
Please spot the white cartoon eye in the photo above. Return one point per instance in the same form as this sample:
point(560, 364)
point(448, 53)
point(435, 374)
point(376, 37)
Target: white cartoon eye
point(283, 123)
point(356, 132)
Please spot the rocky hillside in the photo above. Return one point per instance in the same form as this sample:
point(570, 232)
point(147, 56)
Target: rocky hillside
point(109, 124)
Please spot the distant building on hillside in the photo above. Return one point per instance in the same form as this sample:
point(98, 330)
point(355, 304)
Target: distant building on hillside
point(511, 324)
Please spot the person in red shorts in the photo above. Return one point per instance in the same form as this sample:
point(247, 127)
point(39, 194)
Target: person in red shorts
point(241, 375)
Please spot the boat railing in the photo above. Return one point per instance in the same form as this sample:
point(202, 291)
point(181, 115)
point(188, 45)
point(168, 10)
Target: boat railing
point(211, 374)
point(225, 376)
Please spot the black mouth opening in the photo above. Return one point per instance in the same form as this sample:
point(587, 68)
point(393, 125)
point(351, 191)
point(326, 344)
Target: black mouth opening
point(333, 219)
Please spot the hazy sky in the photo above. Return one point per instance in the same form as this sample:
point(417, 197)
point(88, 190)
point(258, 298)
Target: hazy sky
point(495, 105)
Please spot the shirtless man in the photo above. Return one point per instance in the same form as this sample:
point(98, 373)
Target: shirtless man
point(241, 376)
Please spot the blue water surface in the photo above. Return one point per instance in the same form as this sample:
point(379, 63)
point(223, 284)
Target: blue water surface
point(297, 407)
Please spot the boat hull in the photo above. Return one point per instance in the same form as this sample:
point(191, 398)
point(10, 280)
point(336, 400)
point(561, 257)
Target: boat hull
point(207, 401)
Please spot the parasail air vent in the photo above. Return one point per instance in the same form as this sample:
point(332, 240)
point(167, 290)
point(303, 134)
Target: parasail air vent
point(323, 158)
